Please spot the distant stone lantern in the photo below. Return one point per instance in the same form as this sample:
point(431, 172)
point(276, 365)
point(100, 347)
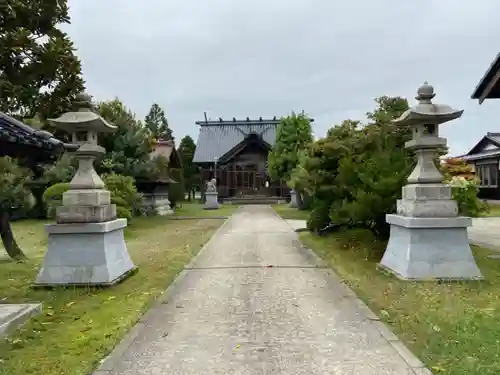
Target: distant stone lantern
point(428, 239)
point(86, 245)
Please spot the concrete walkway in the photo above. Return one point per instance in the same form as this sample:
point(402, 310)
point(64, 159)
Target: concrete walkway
point(485, 232)
point(230, 312)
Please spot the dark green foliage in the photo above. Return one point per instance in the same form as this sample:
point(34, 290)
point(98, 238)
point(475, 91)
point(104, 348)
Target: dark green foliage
point(294, 136)
point(370, 179)
point(176, 191)
point(123, 194)
point(318, 169)
point(122, 189)
point(39, 72)
point(123, 213)
point(356, 174)
point(186, 150)
point(14, 194)
point(119, 201)
point(464, 192)
point(128, 148)
point(62, 171)
point(319, 217)
point(53, 197)
point(157, 123)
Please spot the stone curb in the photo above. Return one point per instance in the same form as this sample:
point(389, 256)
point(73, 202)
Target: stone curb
point(197, 217)
point(18, 318)
point(108, 363)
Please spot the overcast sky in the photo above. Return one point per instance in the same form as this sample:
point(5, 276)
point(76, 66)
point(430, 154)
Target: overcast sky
point(269, 57)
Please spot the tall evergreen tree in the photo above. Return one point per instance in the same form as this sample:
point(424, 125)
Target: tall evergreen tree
point(186, 150)
point(294, 135)
point(128, 149)
point(157, 123)
point(39, 72)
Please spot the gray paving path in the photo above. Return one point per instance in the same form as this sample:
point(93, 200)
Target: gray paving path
point(485, 232)
point(231, 313)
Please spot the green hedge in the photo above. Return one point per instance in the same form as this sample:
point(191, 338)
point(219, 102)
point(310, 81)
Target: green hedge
point(123, 194)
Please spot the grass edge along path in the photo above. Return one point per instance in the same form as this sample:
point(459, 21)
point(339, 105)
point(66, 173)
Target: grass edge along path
point(192, 209)
point(79, 327)
point(452, 327)
point(289, 213)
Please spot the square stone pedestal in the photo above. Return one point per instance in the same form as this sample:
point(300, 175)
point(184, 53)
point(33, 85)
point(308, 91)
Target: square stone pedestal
point(211, 202)
point(429, 248)
point(85, 254)
point(160, 204)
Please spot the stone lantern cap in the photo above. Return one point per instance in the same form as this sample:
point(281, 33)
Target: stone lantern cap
point(82, 119)
point(426, 112)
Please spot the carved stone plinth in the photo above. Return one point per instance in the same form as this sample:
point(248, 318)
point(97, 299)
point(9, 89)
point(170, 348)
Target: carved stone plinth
point(428, 240)
point(159, 202)
point(429, 248)
point(211, 200)
point(86, 246)
point(85, 254)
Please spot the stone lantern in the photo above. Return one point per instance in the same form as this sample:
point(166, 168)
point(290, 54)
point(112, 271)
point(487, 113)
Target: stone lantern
point(86, 245)
point(428, 240)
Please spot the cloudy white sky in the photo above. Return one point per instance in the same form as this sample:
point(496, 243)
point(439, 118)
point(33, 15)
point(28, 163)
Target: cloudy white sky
point(269, 57)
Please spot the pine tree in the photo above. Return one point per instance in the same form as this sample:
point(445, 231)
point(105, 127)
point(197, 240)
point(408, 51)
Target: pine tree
point(186, 150)
point(293, 137)
point(157, 123)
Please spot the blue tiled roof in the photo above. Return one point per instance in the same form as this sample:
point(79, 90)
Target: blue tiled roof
point(216, 138)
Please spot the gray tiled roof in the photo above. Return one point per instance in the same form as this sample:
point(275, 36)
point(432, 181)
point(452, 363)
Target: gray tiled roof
point(15, 132)
point(481, 155)
point(216, 139)
point(495, 137)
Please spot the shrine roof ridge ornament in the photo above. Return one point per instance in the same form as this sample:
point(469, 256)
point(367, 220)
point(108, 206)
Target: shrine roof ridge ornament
point(234, 121)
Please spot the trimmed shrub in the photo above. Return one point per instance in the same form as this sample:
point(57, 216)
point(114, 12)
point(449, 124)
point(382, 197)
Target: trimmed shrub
point(123, 213)
point(319, 217)
point(176, 191)
point(124, 189)
point(52, 197)
point(464, 192)
point(123, 193)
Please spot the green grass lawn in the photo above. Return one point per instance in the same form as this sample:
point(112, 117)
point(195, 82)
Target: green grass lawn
point(452, 327)
point(290, 213)
point(79, 327)
point(494, 211)
point(196, 210)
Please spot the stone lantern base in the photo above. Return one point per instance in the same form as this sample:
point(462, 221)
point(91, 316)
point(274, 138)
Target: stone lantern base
point(211, 200)
point(85, 254)
point(429, 248)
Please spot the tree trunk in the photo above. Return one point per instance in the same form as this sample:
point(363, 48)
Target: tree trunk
point(300, 201)
point(9, 242)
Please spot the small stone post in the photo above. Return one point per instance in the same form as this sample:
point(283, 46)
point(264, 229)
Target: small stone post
point(428, 240)
point(86, 246)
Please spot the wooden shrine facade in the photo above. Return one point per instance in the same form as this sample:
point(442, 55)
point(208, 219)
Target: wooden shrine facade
point(235, 153)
